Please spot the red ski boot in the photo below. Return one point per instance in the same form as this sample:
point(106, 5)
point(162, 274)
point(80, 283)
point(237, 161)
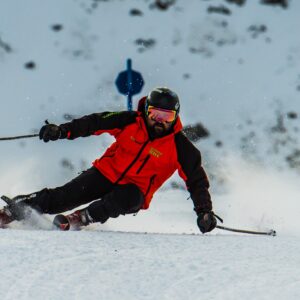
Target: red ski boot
point(5, 217)
point(72, 221)
point(14, 210)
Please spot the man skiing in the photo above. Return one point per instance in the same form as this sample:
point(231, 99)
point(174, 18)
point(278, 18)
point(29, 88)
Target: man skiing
point(149, 148)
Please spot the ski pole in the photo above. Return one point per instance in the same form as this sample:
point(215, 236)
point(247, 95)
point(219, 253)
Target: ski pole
point(22, 136)
point(18, 137)
point(270, 232)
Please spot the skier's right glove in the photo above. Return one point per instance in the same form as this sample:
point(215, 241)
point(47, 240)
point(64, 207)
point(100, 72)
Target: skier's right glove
point(51, 132)
point(207, 221)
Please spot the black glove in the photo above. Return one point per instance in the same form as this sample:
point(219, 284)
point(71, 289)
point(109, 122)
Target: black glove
point(206, 221)
point(50, 132)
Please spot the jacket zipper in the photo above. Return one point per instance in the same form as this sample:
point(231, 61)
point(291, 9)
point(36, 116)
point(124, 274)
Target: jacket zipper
point(143, 164)
point(132, 163)
point(150, 183)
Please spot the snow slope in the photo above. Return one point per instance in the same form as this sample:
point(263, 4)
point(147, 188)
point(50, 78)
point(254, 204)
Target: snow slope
point(237, 74)
point(106, 265)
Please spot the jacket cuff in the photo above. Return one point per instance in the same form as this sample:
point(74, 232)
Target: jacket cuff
point(64, 132)
point(199, 210)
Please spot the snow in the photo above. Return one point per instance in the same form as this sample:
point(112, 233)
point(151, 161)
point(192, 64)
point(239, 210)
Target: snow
point(110, 265)
point(242, 91)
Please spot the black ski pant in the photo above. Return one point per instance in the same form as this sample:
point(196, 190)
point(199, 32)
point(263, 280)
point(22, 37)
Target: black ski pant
point(89, 186)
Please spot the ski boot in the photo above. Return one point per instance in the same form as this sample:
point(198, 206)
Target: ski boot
point(5, 217)
point(14, 210)
point(72, 221)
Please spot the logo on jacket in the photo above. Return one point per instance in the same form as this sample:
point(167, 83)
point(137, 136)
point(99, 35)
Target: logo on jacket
point(155, 152)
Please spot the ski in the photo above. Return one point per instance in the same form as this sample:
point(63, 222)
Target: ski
point(6, 199)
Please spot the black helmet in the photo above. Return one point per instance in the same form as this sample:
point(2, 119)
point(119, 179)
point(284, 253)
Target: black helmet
point(162, 97)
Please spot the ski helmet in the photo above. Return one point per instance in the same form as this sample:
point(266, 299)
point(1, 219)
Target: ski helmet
point(162, 97)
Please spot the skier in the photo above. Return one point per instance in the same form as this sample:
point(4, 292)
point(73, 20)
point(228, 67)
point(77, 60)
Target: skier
point(149, 148)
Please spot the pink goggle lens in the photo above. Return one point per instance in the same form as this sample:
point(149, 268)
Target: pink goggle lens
point(161, 115)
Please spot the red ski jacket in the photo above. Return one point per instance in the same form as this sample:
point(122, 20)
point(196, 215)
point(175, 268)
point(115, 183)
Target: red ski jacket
point(136, 158)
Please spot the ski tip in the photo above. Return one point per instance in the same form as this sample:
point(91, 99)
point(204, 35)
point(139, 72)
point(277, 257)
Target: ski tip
point(6, 199)
point(272, 232)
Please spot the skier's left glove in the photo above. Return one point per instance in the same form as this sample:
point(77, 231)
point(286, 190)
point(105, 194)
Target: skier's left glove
point(207, 221)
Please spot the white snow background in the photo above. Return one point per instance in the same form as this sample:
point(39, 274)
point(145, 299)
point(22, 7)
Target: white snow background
point(237, 74)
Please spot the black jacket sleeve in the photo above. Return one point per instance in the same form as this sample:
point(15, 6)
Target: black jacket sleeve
point(191, 170)
point(90, 124)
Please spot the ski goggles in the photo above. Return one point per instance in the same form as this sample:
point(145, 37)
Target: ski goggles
point(161, 115)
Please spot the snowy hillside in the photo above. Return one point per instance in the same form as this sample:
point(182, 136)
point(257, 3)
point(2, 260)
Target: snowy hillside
point(236, 69)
